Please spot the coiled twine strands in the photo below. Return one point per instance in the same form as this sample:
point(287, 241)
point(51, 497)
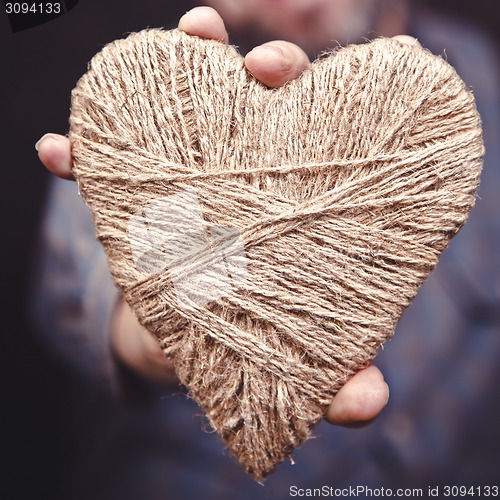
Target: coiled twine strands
point(271, 239)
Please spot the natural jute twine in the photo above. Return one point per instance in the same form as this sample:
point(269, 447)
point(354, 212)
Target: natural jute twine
point(333, 196)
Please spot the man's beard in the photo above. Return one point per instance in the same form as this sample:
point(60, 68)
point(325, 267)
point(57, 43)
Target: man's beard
point(312, 35)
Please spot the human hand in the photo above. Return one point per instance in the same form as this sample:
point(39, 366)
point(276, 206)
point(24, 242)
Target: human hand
point(364, 396)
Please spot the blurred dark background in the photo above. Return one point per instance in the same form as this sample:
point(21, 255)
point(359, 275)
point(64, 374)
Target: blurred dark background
point(40, 66)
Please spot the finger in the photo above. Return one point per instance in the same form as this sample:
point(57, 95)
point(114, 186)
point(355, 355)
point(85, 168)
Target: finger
point(204, 22)
point(361, 399)
point(275, 63)
point(138, 349)
point(54, 151)
point(408, 40)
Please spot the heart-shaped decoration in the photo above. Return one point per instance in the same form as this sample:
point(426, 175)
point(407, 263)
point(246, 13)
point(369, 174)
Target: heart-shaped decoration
point(271, 238)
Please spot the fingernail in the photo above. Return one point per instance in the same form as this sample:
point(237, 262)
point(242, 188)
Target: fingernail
point(274, 48)
point(407, 40)
point(282, 56)
point(45, 136)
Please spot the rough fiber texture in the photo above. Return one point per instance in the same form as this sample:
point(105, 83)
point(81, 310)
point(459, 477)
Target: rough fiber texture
point(342, 188)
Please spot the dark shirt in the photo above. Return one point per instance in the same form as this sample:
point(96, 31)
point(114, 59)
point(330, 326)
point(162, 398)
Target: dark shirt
point(129, 439)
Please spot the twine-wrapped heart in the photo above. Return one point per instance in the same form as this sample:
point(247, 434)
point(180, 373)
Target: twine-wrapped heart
point(271, 238)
